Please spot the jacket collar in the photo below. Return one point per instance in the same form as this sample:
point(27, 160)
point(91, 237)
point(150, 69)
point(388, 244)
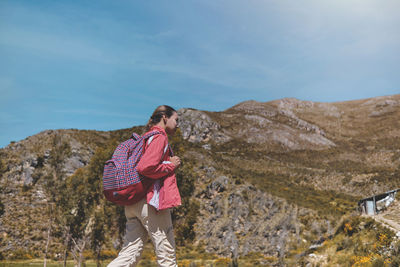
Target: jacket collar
point(159, 129)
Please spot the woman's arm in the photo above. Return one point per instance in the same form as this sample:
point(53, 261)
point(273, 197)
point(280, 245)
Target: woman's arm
point(151, 164)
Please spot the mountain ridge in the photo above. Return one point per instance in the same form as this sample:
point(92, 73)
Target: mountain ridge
point(267, 176)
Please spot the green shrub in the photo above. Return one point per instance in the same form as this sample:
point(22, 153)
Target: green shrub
point(379, 262)
point(1, 208)
point(108, 254)
point(21, 254)
point(395, 261)
point(345, 243)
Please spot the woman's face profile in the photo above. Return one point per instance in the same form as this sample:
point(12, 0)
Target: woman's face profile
point(172, 123)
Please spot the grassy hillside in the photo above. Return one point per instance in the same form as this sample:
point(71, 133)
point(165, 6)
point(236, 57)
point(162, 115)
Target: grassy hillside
point(263, 182)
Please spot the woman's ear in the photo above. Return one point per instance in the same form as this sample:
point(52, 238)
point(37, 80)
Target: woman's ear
point(164, 117)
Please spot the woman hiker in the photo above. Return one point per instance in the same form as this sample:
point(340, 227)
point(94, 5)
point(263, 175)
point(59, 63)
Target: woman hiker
point(151, 216)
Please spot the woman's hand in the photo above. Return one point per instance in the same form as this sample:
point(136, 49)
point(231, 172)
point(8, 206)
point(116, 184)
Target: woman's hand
point(176, 161)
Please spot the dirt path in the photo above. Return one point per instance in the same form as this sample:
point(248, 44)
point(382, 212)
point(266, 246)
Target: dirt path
point(390, 217)
point(394, 226)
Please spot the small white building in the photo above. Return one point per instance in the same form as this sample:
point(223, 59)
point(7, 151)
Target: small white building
point(374, 204)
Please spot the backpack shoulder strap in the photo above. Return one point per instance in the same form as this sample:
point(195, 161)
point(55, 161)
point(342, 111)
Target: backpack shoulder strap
point(150, 134)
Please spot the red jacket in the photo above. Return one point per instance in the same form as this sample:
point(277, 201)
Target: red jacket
point(155, 164)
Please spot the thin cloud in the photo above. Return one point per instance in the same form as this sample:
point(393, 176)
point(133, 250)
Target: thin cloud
point(54, 45)
point(98, 113)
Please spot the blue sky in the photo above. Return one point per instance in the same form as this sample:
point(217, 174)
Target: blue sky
point(106, 65)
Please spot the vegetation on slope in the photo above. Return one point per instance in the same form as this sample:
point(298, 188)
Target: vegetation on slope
point(59, 214)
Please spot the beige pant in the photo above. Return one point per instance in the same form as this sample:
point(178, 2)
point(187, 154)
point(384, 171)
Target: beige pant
point(144, 220)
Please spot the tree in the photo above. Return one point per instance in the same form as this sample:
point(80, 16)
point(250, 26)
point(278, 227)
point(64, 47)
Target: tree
point(3, 166)
point(93, 216)
point(53, 183)
point(80, 206)
point(1, 206)
point(3, 169)
point(185, 216)
point(94, 177)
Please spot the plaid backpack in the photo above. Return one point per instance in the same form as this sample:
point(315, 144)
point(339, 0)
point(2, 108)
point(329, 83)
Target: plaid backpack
point(122, 184)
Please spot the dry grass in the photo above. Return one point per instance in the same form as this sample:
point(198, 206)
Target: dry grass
point(325, 180)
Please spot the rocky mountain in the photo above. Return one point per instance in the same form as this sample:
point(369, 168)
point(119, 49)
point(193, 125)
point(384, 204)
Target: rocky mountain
point(270, 179)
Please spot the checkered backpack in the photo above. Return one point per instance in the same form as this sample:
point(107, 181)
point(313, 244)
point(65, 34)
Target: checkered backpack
point(122, 184)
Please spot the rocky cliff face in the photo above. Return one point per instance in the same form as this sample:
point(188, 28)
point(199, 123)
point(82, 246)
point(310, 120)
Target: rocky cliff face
point(254, 122)
point(197, 126)
point(244, 220)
